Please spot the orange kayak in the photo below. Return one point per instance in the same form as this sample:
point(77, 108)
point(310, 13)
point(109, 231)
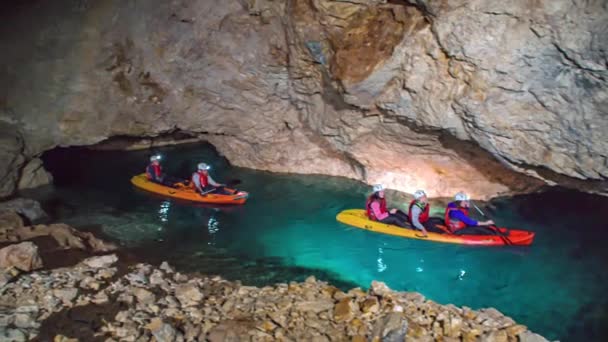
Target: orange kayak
point(357, 218)
point(187, 193)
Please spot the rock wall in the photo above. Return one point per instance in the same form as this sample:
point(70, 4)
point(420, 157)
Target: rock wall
point(440, 95)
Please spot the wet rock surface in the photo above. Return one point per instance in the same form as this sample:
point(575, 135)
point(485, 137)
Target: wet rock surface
point(26, 207)
point(12, 229)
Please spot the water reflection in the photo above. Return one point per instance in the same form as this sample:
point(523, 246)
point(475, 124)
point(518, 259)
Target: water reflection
point(213, 226)
point(381, 265)
point(420, 269)
point(163, 212)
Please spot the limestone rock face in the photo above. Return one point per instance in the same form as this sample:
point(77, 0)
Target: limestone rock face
point(34, 175)
point(527, 81)
point(12, 159)
point(440, 95)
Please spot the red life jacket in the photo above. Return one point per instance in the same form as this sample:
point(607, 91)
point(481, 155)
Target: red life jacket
point(202, 177)
point(454, 225)
point(424, 215)
point(368, 207)
point(153, 171)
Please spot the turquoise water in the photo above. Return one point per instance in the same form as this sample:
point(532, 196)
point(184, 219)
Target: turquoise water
point(287, 231)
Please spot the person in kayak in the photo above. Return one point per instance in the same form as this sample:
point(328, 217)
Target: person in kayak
point(418, 214)
point(458, 221)
point(154, 172)
point(377, 211)
point(203, 182)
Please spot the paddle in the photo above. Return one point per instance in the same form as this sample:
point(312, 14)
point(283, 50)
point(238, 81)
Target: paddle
point(208, 192)
point(494, 228)
point(229, 183)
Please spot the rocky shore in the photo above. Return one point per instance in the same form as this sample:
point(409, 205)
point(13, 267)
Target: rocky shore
point(104, 298)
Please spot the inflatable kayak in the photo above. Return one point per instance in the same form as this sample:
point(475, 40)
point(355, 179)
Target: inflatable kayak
point(358, 218)
point(184, 192)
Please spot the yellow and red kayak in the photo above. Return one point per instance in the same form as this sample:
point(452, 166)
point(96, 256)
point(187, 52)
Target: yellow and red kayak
point(357, 218)
point(187, 193)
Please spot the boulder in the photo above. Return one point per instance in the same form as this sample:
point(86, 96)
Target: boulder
point(370, 305)
point(344, 310)
point(29, 208)
point(144, 296)
point(101, 261)
point(166, 267)
point(390, 328)
point(9, 220)
point(67, 295)
point(12, 335)
point(188, 294)
point(23, 256)
point(25, 321)
point(379, 288)
point(161, 331)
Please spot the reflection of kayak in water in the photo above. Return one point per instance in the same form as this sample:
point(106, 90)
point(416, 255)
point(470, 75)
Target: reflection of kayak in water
point(187, 193)
point(357, 218)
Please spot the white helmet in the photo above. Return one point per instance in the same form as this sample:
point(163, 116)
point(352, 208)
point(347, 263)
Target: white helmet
point(203, 166)
point(378, 187)
point(155, 157)
point(461, 196)
point(419, 194)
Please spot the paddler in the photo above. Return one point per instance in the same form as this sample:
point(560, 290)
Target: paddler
point(204, 183)
point(154, 172)
point(457, 217)
point(418, 212)
point(377, 211)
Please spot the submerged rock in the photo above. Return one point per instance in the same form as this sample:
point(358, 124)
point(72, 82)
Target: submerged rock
point(29, 208)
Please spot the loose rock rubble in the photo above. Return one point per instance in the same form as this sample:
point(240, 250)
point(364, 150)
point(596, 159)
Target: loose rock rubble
point(159, 304)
